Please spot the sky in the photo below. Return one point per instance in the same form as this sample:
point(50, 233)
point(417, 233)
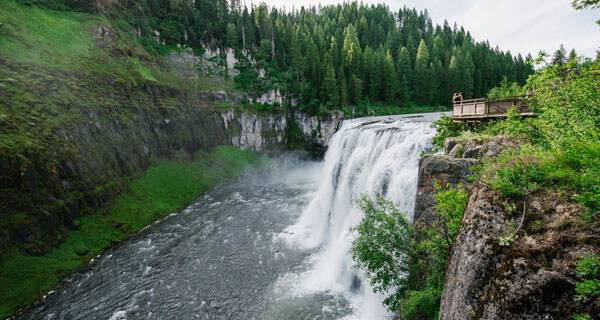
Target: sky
point(521, 26)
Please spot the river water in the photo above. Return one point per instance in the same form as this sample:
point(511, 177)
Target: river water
point(273, 244)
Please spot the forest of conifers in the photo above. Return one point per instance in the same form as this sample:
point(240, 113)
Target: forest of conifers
point(330, 56)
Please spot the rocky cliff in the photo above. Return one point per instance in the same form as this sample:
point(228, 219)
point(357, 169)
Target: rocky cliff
point(96, 153)
point(511, 259)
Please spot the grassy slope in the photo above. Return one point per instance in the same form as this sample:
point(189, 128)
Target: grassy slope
point(164, 188)
point(53, 68)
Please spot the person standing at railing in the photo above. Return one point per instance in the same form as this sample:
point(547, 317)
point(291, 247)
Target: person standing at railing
point(457, 97)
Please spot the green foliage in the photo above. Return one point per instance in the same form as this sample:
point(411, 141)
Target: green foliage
point(588, 266)
point(567, 99)
point(362, 44)
point(583, 4)
point(421, 304)
point(588, 288)
point(513, 125)
point(588, 270)
point(505, 89)
point(445, 128)
point(575, 167)
point(164, 188)
point(406, 265)
point(516, 180)
point(450, 204)
point(383, 246)
point(581, 317)
point(564, 151)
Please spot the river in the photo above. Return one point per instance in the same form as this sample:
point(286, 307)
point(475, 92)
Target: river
point(273, 244)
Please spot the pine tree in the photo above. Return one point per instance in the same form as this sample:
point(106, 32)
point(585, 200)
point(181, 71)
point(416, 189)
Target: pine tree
point(232, 36)
point(467, 68)
point(330, 86)
point(351, 49)
point(423, 76)
point(454, 76)
point(389, 80)
point(334, 53)
point(560, 56)
point(370, 74)
point(404, 76)
point(573, 55)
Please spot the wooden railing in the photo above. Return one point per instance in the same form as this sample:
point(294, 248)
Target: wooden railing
point(488, 108)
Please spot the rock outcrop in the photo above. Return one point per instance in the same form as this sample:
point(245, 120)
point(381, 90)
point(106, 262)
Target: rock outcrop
point(97, 152)
point(260, 131)
point(512, 259)
point(518, 263)
point(437, 170)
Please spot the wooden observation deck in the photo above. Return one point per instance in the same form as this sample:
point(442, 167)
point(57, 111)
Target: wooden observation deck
point(476, 110)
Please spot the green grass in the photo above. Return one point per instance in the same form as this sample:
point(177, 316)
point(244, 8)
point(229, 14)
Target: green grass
point(162, 189)
point(56, 39)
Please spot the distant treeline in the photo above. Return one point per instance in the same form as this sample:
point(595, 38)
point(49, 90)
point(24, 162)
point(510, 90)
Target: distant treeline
point(326, 57)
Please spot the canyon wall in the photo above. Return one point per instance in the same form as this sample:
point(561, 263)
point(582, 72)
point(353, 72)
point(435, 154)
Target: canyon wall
point(512, 259)
point(94, 156)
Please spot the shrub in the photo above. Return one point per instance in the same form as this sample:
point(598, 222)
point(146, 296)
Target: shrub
point(505, 89)
point(515, 180)
point(421, 304)
point(513, 125)
point(445, 128)
point(588, 270)
point(383, 247)
point(408, 270)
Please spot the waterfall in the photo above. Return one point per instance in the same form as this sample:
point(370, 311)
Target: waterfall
point(368, 155)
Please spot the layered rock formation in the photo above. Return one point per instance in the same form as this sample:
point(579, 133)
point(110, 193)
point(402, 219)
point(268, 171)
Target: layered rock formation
point(512, 259)
point(94, 156)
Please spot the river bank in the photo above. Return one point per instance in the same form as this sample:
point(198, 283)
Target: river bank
point(162, 189)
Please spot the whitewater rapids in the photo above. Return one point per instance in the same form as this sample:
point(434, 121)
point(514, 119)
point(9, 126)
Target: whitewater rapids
point(271, 245)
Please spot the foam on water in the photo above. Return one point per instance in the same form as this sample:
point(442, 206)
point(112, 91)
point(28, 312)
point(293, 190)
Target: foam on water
point(372, 156)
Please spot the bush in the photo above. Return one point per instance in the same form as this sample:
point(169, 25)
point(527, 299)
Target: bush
point(409, 270)
point(446, 127)
point(575, 168)
point(384, 244)
point(516, 179)
point(505, 89)
point(421, 304)
point(513, 125)
point(588, 270)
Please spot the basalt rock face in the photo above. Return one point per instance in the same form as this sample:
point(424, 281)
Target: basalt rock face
point(479, 148)
point(517, 263)
point(97, 152)
point(512, 259)
point(437, 170)
point(260, 131)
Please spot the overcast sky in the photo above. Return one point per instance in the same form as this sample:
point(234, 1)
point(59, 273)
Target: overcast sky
point(521, 26)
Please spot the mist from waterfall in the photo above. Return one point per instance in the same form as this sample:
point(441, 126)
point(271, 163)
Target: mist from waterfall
point(368, 155)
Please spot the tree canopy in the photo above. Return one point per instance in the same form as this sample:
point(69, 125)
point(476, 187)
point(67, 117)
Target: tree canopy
point(365, 53)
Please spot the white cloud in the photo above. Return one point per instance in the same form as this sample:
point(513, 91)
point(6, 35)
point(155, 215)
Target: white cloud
point(521, 26)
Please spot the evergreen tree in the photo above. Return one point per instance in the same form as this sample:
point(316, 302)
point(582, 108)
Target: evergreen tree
point(573, 55)
point(423, 75)
point(330, 86)
point(404, 76)
point(389, 80)
point(300, 52)
point(232, 36)
point(560, 56)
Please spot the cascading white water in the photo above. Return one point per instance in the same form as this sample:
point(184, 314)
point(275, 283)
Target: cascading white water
point(369, 155)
